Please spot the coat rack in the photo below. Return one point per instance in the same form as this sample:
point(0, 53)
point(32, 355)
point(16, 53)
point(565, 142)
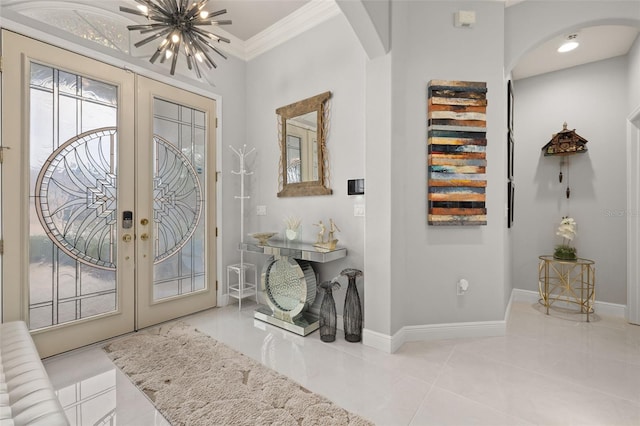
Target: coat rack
point(242, 288)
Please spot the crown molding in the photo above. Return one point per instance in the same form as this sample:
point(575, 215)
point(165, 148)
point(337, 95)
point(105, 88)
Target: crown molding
point(308, 16)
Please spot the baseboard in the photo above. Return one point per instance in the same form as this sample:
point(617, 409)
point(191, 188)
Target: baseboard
point(418, 333)
point(223, 300)
point(379, 341)
point(415, 333)
point(602, 308)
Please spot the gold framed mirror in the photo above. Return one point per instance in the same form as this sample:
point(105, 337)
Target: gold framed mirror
point(304, 166)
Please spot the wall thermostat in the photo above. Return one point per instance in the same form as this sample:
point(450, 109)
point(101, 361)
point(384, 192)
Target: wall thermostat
point(355, 186)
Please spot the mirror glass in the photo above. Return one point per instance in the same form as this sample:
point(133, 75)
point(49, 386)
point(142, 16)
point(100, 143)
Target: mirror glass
point(303, 147)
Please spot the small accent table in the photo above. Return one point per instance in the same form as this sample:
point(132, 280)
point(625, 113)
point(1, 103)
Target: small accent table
point(289, 283)
point(568, 281)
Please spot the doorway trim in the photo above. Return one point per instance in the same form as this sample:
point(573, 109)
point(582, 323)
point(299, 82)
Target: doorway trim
point(633, 217)
point(95, 51)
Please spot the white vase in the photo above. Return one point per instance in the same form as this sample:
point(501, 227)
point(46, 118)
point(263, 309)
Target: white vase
point(291, 234)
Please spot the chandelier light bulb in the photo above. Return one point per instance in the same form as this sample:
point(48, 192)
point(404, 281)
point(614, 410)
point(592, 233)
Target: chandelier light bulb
point(178, 25)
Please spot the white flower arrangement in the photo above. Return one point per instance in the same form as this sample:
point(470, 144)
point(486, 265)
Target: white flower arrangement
point(566, 230)
point(293, 225)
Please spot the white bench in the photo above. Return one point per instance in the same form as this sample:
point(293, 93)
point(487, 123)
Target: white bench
point(26, 394)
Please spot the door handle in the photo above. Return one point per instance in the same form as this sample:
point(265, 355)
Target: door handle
point(144, 237)
point(126, 238)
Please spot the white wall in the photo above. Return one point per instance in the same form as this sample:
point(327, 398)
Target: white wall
point(633, 77)
point(592, 99)
point(327, 57)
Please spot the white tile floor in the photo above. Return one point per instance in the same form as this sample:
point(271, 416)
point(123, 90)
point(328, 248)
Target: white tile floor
point(547, 370)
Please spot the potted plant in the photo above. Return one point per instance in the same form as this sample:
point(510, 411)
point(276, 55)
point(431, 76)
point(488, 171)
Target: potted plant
point(566, 230)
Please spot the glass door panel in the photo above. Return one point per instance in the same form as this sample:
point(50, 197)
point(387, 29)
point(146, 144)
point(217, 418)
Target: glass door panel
point(73, 223)
point(75, 165)
point(180, 140)
point(73, 281)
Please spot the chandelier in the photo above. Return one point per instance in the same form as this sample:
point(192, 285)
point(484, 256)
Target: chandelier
point(177, 23)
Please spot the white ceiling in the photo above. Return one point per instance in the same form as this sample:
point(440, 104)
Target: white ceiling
point(252, 17)
point(596, 43)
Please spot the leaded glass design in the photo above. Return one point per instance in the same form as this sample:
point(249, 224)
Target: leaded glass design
point(73, 168)
point(178, 210)
point(96, 27)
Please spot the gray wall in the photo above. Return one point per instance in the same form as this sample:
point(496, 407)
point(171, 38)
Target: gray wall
point(592, 99)
point(430, 260)
point(327, 57)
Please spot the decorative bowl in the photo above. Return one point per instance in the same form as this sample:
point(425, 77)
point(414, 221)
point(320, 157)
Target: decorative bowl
point(262, 237)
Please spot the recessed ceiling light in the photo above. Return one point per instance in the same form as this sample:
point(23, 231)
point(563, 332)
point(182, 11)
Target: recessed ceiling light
point(570, 43)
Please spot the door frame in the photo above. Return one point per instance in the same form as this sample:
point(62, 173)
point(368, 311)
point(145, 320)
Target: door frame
point(22, 51)
point(57, 38)
point(633, 217)
point(149, 311)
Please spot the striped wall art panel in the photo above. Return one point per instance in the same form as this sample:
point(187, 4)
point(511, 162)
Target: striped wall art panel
point(457, 142)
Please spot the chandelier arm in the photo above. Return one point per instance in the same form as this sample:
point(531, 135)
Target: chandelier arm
point(191, 12)
point(153, 37)
point(219, 52)
point(166, 6)
point(200, 5)
point(218, 13)
point(154, 57)
point(159, 51)
point(149, 27)
point(156, 29)
point(161, 19)
point(155, 7)
point(212, 22)
point(215, 49)
point(188, 55)
point(206, 34)
point(133, 11)
point(209, 16)
point(183, 5)
point(204, 52)
point(197, 68)
point(174, 60)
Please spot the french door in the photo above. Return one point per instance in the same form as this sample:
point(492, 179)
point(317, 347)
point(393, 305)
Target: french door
point(106, 198)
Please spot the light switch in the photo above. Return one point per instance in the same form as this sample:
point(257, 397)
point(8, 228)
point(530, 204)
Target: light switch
point(261, 210)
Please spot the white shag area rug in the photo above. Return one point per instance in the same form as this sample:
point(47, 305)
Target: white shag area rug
point(192, 379)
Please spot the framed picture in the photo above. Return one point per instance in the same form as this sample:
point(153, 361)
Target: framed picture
point(510, 147)
point(510, 203)
point(510, 107)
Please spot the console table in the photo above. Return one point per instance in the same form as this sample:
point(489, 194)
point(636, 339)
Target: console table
point(289, 282)
point(569, 281)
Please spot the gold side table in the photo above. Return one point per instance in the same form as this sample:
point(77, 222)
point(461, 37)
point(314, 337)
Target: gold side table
point(569, 281)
